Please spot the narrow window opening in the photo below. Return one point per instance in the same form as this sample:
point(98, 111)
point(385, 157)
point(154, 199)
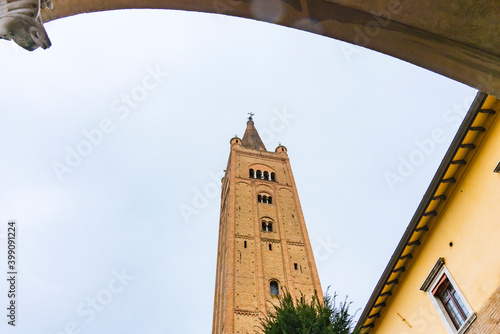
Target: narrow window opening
point(252, 173)
point(273, 177)
point(264, 226)
point(296, 266)
point(259, 199)
point(245, 244)
point(259, 174)
point(270, 227)
point(266, 175)
point(264, 199)
point(270, 247)
point(274, 287)
point(270, 200)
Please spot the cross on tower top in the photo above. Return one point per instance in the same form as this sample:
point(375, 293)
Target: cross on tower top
point(251, 115)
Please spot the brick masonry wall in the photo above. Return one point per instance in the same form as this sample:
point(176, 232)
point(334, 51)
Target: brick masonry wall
point(488, 318)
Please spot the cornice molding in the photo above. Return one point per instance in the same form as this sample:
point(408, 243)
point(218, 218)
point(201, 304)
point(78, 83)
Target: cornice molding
point(432, 275)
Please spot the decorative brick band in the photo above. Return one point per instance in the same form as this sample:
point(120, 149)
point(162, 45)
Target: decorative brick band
point(247, 237)
point(247, 312)
point(274, 241)
point(295, 243)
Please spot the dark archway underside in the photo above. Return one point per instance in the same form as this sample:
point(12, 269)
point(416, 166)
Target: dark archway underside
point(456, 39)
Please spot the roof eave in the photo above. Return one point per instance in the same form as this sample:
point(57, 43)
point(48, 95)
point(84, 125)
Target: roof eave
point(429, 194)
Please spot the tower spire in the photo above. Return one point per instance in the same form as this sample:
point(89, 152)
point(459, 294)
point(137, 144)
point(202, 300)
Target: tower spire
point(251, 138)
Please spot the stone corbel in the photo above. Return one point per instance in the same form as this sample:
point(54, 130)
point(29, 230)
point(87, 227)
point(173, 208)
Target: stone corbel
point(21, 22)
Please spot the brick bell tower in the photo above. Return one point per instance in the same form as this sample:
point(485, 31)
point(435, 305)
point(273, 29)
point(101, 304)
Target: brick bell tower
point(263, 240)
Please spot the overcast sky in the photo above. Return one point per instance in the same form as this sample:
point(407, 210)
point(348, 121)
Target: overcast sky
point(114, 140)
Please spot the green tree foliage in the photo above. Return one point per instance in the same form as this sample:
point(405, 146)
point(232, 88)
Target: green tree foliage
point(314, 317)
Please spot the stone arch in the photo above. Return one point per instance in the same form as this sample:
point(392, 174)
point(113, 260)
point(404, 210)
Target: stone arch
point(452, 39)
point(265, 188)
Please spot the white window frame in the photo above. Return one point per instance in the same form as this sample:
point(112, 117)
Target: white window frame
point(428, 286)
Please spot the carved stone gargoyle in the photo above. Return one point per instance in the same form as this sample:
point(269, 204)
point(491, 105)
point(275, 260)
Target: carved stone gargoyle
point(21, 21)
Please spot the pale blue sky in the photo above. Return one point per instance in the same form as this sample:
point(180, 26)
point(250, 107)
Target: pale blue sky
point(89, 224)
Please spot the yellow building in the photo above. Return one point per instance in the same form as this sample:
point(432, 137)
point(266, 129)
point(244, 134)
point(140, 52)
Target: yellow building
point(263, 240)
point(444, 276)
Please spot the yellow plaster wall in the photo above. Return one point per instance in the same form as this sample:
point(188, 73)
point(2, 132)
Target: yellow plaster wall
point(471, 221)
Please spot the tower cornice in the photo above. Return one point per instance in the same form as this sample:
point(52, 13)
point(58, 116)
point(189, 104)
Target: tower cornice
point(264, 155)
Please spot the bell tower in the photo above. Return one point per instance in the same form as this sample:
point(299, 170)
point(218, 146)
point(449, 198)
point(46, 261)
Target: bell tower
point(263, 241)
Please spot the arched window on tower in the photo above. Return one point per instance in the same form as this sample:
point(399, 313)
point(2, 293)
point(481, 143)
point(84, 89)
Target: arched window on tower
point(259, 174)
point(266, 175)
point(273, 176)
point(264, 199)
point(252, 173)
point(274, 288)
point(267, 226)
